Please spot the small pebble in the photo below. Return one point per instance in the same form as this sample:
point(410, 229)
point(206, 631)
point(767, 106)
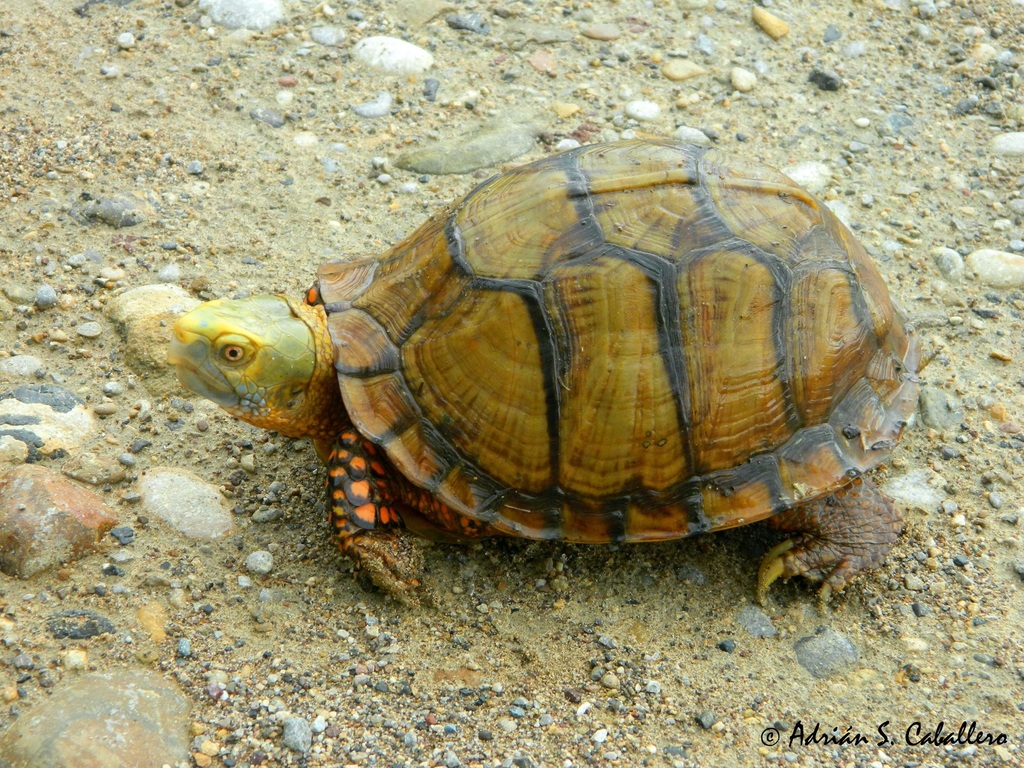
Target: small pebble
point(260, 561)
point(46, 297)
point(769, 22)
point(681, 69)
point(392, 56)
point(913, 583)
point(601, 31)
point(949, 263)
point(298, 736)
point(643, 111)
point(244, 14)
point(380, 106)
point(184, 647)
point(825, 653)
point(743, 80)
point(268, 116)
point(89, 330)
point(126, 41)
point(825, 79)
point(327, 36)
point(703, 44)
point(469, 22)
point(706, 720)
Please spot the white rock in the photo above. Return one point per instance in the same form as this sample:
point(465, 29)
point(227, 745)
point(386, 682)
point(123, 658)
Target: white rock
point(692, 135)
point(186, 503)
point(243, 14)
point(1011, 144)
point(642, 110)
point(378, 107)
point(841, 210)
point(328, 36)
point(743, 80)
point(919, 489)
point(126, 41)
point(20, 365)
point(392, 56)
point(260, 561)
point(814, 176)
point(997, 269)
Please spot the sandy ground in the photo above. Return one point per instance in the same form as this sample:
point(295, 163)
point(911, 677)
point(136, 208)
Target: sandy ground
point(506, 663)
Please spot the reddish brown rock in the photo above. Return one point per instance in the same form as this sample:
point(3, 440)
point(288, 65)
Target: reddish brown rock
point(46, 520)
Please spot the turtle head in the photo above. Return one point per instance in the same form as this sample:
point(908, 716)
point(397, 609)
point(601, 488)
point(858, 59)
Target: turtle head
point(266, 359)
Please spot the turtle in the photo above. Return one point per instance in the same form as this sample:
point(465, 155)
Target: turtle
point(629, 341)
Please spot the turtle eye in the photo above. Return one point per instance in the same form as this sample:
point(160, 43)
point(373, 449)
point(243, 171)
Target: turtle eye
point(232, 353)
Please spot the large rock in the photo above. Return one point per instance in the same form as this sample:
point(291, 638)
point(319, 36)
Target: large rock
point(38, 419)
point(997, 269)
point(144, 316)
point(185, 502)
point(46, 520)
point(124, 718)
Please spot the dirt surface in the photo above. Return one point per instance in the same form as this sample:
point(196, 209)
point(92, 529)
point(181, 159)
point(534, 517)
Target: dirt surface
point(527, 654)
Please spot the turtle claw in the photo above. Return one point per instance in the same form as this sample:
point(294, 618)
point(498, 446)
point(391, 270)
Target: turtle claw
point(772, 567)
point(391, 560)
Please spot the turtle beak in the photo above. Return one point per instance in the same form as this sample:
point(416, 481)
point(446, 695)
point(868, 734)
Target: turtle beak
point(190, 354)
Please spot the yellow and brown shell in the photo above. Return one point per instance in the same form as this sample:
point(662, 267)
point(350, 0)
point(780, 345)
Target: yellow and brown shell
point(629, 341)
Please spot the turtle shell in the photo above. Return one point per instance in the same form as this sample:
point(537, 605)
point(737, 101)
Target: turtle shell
point(625, 342)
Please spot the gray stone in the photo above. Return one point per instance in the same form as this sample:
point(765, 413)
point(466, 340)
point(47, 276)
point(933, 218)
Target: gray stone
point(298, 736)
point(826, 653)
point(266, 115)
point(813, 175)
point(46, 297)
point(938, 410)
point(129, 717)
point(378, 107)
point(328, 36)
point(497, 143)
point(20, 365)
point(949, 263)
point(260, 561)
point(756, 622)
point(118, 212)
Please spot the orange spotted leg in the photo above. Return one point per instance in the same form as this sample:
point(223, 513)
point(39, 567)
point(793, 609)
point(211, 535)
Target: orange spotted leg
point(365, 516)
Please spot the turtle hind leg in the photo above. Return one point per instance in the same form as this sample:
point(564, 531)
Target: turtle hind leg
point(366, 518)
point(840, 536)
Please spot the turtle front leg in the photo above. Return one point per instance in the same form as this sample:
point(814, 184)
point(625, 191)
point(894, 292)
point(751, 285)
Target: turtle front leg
point(365, 514)
point(841, 536)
